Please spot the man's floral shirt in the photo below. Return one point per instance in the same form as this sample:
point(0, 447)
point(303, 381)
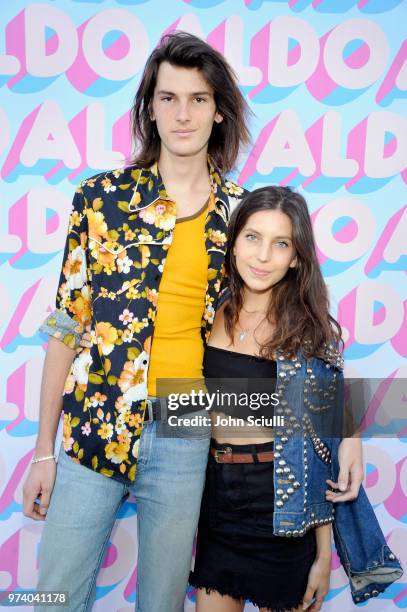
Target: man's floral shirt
point(120, 229)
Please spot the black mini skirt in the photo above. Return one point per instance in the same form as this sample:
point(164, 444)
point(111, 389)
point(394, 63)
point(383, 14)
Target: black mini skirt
point(237, 553)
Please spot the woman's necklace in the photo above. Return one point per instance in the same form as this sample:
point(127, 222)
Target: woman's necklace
point(243, 333)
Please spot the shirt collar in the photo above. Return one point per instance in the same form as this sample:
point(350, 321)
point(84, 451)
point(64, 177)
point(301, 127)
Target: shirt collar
point(150, 188)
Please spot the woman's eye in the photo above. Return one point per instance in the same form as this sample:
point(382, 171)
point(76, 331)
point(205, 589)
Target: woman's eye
point(251, 236)
point(281, 242)
point(166, 99)
point(198, 99)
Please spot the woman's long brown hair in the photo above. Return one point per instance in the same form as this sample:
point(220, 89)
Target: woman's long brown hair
point(299, 303)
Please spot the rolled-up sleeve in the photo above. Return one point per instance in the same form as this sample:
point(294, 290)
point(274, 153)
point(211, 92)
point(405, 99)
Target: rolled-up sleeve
point(72, 312)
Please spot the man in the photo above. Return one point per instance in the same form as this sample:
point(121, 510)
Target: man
point(143, 255)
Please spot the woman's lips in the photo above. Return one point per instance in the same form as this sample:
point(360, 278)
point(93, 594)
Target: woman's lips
point(259, 273)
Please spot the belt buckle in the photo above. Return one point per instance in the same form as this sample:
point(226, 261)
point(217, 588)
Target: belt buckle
point(149, 410)
point(225, 451)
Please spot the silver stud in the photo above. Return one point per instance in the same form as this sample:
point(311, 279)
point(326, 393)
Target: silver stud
point(286, 469)
point(284, 497)
point(296, 484)
point(279, 470)
point(288, 533)
point(279, 491)
point(279, 503)
point(282, 462)
point(375, 592)
point(295, 533)
point(281, 531)
point(276, 454)
point(366, 595)
point(391, 556)
point(290, 490)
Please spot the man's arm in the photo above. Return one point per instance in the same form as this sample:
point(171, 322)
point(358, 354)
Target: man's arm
point(41, 477)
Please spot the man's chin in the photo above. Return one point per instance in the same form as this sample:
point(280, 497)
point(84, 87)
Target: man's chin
point(187, 151)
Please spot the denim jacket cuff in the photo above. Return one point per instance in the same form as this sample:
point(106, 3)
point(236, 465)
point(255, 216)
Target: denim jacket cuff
point(375, 579)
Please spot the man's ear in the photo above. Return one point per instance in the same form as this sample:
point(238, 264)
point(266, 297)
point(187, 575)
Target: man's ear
point(218, 118)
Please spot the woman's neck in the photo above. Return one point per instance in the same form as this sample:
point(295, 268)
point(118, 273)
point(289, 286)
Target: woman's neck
point(255, 302)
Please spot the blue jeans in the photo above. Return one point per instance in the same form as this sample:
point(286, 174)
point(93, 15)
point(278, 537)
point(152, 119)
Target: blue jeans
point(83, 508)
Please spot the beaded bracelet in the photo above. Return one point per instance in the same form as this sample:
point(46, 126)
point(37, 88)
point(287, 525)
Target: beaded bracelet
point(37, 459)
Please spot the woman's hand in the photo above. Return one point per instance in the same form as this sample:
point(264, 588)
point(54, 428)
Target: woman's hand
point(86, 341)
point(350, 456)
point(318, 583)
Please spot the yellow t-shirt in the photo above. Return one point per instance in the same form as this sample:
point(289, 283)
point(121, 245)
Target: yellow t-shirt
point(177, 347)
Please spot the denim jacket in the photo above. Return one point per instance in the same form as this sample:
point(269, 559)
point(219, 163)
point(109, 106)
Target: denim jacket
point(306, 454)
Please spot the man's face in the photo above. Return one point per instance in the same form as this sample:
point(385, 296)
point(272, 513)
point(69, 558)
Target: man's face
point(184, 110)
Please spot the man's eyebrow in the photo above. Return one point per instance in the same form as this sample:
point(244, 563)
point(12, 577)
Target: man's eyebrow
point(195, 93)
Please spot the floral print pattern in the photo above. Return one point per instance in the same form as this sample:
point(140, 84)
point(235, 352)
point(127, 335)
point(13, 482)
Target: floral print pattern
point(120, 230)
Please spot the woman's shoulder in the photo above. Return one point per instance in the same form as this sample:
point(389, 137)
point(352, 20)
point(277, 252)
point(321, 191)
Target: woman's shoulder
point(330, 355)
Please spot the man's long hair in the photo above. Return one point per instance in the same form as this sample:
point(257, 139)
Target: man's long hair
point(188, 51)
point(299, 303)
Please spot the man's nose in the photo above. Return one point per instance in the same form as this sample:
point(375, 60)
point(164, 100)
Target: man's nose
point(183, 112)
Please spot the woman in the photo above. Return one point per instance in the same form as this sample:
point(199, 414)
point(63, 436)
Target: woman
point(275, 307)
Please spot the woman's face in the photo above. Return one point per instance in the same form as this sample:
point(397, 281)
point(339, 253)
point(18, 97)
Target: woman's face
point(264, 250)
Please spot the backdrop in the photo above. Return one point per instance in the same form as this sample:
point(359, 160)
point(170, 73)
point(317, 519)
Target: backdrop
point(326, 80)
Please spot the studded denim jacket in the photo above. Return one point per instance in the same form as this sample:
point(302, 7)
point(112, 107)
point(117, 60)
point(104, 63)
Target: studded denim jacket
point(306, 454)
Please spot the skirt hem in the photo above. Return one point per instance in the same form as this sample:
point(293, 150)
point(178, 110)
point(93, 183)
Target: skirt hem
point(238, 594)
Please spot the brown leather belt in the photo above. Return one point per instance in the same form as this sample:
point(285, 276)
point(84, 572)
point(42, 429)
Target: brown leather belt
point(228, 456)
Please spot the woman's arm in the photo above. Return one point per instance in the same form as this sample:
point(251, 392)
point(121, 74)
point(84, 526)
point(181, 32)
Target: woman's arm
point(318, 577)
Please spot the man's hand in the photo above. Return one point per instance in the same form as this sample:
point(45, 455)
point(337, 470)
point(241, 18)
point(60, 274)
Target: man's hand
point(351, 473)
point(39, 485)
point(318, 584)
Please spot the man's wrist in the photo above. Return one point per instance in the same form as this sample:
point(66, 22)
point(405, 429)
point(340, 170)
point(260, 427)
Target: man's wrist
point(44, 448)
